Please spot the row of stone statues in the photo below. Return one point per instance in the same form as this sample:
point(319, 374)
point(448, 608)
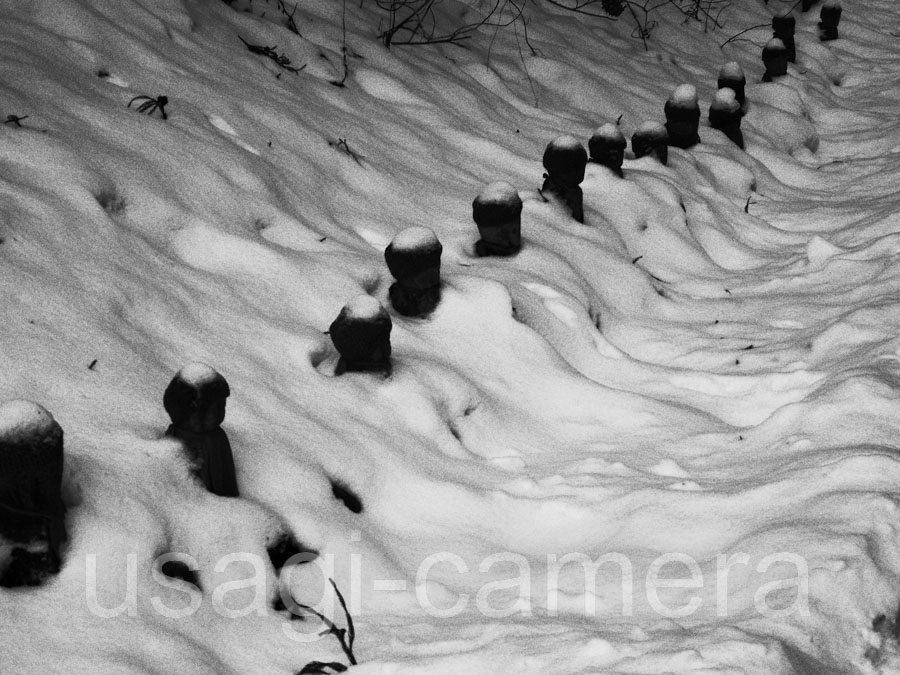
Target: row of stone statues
point(781, 49)
point(32, 511)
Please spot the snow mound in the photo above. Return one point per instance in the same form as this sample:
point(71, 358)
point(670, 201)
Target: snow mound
point(609, 131)
point(414, 239)
point(732, 70)
point(499, 192)
point(832, 4)
point(775, 45)
point(565, 142)
point(23, 420)
point(685, 95)
point(726, 100)
point(198, 374)
point(652, 128)
point(363, 308)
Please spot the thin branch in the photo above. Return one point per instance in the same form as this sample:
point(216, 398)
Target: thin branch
point(341, 82)
point(761, 25)
point(269, 52)
point(292, 26)
point(577, 9)
point(345, 636)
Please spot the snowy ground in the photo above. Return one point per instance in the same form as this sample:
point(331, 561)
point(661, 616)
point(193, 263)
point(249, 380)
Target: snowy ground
point(702, 389)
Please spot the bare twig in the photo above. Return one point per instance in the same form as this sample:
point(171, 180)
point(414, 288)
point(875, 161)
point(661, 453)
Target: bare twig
point(746, 30)
point(578, 8)
point(280, 59)
point(345, 636)
point(420, 24)
point(291, 24)
point(340, 83)
point(342, 145)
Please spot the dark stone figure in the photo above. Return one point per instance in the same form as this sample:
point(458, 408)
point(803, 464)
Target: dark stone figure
point(783, 27)
point(195, 401)
point(607, 147)
point(725, 115)
point(414, 259)
point(32, 513)
point(683, 117)
point(731, 76)
point(829, 18)
point(497, 212)
point(775, 59)
point(362, 335)
point(807, 4)
point(651, 139)
point(565, 160)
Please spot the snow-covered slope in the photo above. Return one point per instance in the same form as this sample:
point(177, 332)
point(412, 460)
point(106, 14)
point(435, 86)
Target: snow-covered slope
point(663, 441)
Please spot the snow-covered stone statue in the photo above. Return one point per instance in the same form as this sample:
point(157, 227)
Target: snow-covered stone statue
point(362, 335)
point(651, 139)
point(32, 513)
point(783, 27)
point(683, 117)
point(414, 259)
point(731, 76)
point(775, 59)
point(607, 147)
point(195, 401)
point(565, 160)
point(497, 211)
point(829, 18)
point(725, 115)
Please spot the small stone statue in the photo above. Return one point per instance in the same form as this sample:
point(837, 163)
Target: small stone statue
point(607, 147)
point(565, 160)
point(414, 259)
point(725, 115)
point(651, 139)
point(731, 76)
point(683, 117)
point(784, 27)
point(829, 18)
point(807, 4)
point(195, 401)
point(32, 513)
point(362, 335)
point(775, 59)
point(497, 211)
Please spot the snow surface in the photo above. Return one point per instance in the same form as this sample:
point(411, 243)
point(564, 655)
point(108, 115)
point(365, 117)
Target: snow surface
point(363, 307)
point(732, 70)
point(499, 192)
point(414, 239)
point(701, 382)
point(610, 131)
point(684, 95)
point(565, 142)
point(25, 421)
point(652, 127)
point(197, 374)
point(725, 99)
